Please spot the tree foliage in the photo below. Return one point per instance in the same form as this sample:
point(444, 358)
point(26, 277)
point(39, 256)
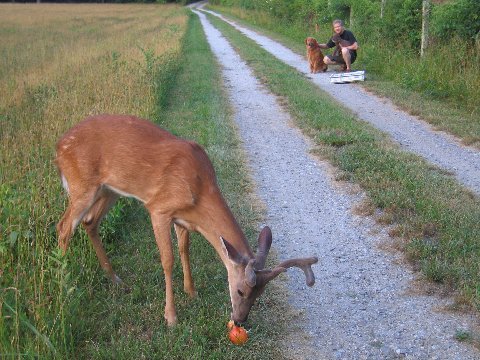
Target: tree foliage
point(182, 2)
point(458, 18)
point(401, 22)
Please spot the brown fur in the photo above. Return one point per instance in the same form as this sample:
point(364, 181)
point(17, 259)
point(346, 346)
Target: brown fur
point(108, 156)
point(315, 56)
point(340, 43)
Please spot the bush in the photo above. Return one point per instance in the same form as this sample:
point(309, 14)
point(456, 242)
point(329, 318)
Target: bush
point(402, 23)
point(460, 18)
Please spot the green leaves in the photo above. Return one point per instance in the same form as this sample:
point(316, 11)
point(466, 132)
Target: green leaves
point(457, 18)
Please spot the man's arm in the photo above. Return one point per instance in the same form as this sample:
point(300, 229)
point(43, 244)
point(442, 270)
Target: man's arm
point(330, 44)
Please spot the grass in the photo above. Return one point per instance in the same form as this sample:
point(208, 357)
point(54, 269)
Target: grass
point(148, 60)
point(59, 64)
point(435, 218)
point(442, 90)
point(444, 116)
point(132, 323)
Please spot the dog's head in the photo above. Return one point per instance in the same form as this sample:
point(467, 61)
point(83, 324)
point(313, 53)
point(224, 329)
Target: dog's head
point(339, 41)
point(311, 42)
point(336, 39)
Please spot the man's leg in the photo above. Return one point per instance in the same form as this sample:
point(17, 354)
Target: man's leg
point(336, 60)
point(329, 61)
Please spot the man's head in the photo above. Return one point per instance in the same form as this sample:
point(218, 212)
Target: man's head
point(338, 26)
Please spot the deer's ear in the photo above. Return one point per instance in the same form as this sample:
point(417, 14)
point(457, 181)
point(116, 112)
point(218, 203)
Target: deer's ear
point(231, 253)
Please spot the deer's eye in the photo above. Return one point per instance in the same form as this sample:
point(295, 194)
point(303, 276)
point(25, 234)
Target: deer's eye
point(240, 293)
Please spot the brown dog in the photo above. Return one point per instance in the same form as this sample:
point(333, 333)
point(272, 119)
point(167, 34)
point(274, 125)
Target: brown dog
point(315, 56)
point(339, 44)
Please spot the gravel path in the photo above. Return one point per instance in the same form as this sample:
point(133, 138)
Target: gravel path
point(411, 133)
point(361, 306)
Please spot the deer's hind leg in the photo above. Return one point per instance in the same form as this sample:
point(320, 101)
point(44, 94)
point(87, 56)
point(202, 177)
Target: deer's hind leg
point(184, 250)
point(79, 204)
point(91, 223)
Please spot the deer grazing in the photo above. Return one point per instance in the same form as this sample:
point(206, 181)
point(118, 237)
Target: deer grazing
point(108, 156)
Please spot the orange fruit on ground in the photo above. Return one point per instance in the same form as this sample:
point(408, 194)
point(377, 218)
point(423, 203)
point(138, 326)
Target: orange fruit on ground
point(238, 335)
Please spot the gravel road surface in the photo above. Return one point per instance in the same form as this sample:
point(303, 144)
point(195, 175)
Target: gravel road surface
point(362, 305)
point(411, 133)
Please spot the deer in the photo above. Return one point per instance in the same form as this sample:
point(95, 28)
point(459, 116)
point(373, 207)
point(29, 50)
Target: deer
point(104, 157)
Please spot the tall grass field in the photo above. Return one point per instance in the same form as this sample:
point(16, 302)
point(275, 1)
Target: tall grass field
point(59, 64)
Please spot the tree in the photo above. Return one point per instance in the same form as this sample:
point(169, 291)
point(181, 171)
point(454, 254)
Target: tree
point(382, 8)
point(425, 23)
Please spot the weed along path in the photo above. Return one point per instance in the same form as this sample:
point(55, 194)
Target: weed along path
point(361, 306)
point(411, 133)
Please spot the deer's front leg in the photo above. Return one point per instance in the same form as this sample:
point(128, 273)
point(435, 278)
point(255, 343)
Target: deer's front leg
point(161, 228)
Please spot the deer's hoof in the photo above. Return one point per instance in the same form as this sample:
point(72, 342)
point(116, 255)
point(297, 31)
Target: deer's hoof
point(171, 321)
point(116, 279)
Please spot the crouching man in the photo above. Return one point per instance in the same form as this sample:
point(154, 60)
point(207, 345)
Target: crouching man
point(345, 45)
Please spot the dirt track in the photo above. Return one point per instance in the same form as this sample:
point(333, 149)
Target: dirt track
point(411, 133)
point(362, 306)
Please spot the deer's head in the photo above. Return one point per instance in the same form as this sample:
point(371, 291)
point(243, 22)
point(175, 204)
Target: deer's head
point(247, 277)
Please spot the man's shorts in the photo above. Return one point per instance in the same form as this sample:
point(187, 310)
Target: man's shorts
point(339, 58)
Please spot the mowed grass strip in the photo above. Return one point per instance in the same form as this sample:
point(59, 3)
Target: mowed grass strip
point(131, 323)
point(436, 88)
point(59, 64)
point(434, 219)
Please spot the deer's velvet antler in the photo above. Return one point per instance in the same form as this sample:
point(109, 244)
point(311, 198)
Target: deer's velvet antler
point(255, 274)
point(305, 264)
point(264, 244)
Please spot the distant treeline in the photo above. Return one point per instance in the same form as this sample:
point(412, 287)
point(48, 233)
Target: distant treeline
point(183, 2)
point(395, 20)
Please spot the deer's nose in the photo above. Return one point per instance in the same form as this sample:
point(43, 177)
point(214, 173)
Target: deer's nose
point(237, 321)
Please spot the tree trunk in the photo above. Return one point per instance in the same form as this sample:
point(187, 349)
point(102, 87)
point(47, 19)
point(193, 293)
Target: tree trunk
point(425, 22)
point(351, 16)
point(382, 8)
